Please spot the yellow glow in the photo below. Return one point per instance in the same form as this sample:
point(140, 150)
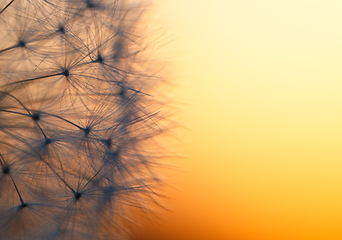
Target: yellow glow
point(263, 84)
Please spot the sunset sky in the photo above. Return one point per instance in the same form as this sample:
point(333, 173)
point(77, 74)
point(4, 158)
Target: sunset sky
point(259, 86)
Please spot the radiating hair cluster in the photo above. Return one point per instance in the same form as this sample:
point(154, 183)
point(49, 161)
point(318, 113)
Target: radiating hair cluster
point(77, 117)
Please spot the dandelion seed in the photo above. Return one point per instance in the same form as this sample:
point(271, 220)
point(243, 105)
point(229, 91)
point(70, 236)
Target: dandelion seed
point(6, 170)
point(35, 116)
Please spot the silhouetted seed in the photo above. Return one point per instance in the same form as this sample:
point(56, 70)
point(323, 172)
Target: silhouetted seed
point(65, 72)
point(21, 43)
point(47, 141)
point(99, 59)
point(35, 116)
point(108, 142)
point(6, 170)
point(61, 29)
point(122, 92)
point(23, 205)
point(86, 130)
point(77, 195)
point(90, 4)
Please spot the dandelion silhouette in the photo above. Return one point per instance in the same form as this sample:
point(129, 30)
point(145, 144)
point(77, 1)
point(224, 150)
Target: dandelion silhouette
point(76, 115)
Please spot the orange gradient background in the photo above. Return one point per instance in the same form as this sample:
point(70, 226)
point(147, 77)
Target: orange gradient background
point(259, 84)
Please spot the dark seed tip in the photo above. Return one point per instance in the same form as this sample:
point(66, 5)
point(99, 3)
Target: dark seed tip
point(21, 43)
point(6, 170)
point(35, 116)
point(86, 130)
point(65, 72)
point(61, 29)
point(77, 195)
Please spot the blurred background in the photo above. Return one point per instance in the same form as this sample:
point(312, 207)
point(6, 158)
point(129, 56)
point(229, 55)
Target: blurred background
point(259, 88)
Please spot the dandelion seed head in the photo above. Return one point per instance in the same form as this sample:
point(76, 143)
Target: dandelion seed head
point(77, 118)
